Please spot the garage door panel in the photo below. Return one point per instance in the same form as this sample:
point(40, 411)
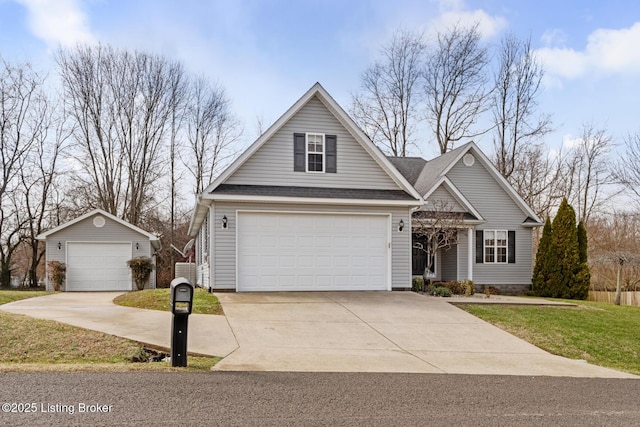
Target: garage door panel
point(98, 266)
point(312, 251)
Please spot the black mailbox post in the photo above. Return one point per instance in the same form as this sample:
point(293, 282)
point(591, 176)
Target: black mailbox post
point(181, 305)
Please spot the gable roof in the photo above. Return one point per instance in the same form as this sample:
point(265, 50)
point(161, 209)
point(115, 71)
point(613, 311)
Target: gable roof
point(315, 91)
point(433, 174)
point(456, 194)
point(318, 91)
point(155, 241)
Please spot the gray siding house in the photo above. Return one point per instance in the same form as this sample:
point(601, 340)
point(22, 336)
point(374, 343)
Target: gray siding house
point(495, 238)
point(314, 205)
point(311, 205)
point(95, 248)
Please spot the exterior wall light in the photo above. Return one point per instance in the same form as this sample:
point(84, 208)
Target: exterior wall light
point(59, 246)
point(401, 225)
point(137, 246)
point(224, 222)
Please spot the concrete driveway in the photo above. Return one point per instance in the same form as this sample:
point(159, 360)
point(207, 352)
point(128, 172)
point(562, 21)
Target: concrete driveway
point(324, 332)
point(379, 332)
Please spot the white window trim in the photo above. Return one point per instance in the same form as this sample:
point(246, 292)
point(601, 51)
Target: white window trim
point(306, 152)
point(495, 247)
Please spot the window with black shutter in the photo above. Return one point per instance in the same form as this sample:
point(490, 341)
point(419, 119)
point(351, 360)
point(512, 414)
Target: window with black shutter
point(314, 152)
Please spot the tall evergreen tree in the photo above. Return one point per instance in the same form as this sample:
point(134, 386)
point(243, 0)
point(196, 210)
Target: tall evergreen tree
point(582, 242)
point(565, 243)
point(582, 281)
point(544, 263)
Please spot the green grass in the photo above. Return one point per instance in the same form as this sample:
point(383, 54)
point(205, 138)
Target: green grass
point(29, 344)
point(10, 296)
point(158, 299)
point(600, 333)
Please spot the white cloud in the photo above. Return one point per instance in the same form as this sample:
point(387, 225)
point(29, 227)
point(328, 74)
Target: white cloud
point(488, 26)
point(607, 51)
point(57, 21)
point(568, 141)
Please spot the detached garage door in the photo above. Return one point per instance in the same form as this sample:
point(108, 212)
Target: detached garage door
point(312, 252)
point(98, 267)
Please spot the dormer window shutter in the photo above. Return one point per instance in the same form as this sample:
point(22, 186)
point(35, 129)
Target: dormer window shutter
point(331, 151)
point(299, 152)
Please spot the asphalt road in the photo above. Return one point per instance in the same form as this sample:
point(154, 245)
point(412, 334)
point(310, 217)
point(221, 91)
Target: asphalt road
point(265, 399)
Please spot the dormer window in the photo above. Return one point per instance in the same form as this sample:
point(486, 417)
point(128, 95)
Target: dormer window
point(315, 152)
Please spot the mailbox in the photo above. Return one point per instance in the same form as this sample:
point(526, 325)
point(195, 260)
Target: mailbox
point(181, 296)
point(181, 301)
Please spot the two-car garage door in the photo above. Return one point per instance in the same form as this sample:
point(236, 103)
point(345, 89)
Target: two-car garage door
point(304, 251)
point(93, 266)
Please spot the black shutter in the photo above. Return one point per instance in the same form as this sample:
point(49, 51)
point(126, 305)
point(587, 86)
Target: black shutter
point(512, 247)
point(299, 152)
point(479, 246)
point(331, 145)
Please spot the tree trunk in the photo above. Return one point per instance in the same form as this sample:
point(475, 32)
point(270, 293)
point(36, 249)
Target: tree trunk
point(618, 285)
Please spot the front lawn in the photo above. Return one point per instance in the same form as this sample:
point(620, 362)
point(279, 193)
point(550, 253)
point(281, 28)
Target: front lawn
point(600, 333)
point(29, 344)
point(158, 299)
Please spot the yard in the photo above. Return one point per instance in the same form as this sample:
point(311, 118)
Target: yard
point(28, 344)
point(602, 334)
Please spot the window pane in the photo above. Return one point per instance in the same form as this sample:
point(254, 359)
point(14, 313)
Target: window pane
point(502, 255)
point(311, 147)
point(501, 237)
point(489, 255)
point(315, 163)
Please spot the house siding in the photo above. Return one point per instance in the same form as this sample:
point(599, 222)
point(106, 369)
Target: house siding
point(224, 247)
point(272, 163)
point(85, 231)
point(501, 213)
point(445, 200)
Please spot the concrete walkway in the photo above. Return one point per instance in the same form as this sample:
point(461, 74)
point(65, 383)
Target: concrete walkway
point(208, 335)
point(325, 332)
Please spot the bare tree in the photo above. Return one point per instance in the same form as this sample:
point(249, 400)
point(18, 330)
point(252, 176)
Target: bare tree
point(39, 179)
point(122, 104)
point(588, 171)
point(517, 85)
point(455, 79)
point(212, 131)
point(21, 125)
point(539, 178)
point(435, 228)
point(627, 171)
point(386, 106)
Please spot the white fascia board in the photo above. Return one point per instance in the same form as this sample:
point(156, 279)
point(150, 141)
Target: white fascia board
point(199, 214)
point(43, 236)
point(246, 155)
point(453, 190)
point(317, 90)
point(375, 152)
point(311, 200)
point(496, 175)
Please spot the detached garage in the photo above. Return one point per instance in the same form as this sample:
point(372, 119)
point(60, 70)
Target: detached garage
point(95, 248)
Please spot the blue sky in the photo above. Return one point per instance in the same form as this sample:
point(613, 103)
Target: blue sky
point(267, 53)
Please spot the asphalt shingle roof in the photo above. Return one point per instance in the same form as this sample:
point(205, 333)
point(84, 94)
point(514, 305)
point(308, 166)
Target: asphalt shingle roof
point(316, 192)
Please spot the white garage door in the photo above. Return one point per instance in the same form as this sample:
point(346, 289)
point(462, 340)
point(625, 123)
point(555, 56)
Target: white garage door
point(98, 267)
point(312, 252)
